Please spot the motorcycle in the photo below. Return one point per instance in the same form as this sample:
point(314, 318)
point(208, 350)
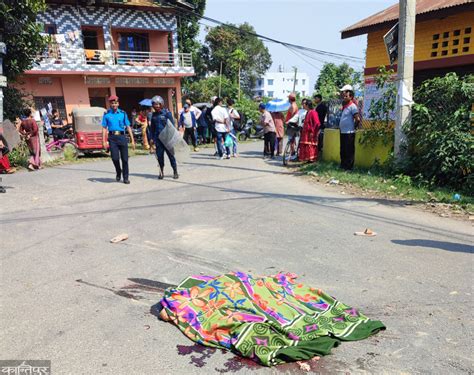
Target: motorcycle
point(137, 132)
point(250, 130)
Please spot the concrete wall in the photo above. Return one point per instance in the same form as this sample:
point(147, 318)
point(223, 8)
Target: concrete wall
point(365, 156)
point(377, 54)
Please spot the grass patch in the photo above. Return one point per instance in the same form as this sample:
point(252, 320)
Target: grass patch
point(378, 182)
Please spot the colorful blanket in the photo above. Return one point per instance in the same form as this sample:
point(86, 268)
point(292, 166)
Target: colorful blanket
point(270, 319)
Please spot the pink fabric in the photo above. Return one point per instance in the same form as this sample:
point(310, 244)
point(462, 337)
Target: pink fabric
point(278, 120)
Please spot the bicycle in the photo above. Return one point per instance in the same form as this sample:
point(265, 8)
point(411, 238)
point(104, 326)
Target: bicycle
point(292, 147)
point(62, 145)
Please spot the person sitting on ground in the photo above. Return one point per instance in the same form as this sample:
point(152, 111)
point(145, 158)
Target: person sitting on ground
point(187, 120)
point(269, 132)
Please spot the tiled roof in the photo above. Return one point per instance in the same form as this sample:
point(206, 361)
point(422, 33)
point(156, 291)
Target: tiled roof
point(391, 14)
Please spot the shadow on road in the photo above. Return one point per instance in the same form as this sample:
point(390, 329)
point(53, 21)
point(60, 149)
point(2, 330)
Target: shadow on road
point(442, 245)
point(102, 180)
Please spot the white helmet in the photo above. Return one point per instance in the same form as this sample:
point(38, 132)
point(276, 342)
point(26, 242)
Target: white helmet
point(158, 99)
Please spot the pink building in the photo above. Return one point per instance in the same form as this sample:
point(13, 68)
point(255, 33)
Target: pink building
point(108, 48)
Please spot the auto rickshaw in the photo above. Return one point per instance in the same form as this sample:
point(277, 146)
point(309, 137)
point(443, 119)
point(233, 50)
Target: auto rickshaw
point(87, 125)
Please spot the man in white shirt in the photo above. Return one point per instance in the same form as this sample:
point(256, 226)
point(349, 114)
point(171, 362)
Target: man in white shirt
point(222, 126)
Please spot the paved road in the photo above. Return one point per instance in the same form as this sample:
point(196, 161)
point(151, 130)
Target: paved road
point(70, 296)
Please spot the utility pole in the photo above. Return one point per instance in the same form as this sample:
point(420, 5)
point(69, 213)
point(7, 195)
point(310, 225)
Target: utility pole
point(220, 81)
point(294, 79)
point(406, 49)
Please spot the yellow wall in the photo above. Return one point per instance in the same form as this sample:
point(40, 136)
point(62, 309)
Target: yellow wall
point(365, 156)
point(424, 31)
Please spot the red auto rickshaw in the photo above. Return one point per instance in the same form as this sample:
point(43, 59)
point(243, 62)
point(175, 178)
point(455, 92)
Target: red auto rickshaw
point(87, 125)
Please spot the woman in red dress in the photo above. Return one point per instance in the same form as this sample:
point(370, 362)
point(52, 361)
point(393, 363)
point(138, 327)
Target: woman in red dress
point(308, 150)
point(29, 129)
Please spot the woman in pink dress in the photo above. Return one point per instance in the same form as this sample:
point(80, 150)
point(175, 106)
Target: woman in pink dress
point(308, 150)
point(29, 129)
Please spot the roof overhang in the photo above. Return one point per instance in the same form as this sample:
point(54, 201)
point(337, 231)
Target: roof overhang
point(142, 5)
point(435, 14)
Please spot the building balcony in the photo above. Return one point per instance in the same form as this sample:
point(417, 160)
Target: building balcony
point(86, 61)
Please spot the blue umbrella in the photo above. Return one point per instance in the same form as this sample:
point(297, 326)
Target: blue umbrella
point(146, 102)
point(277, 105)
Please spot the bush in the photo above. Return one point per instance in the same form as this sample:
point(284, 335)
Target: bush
point(19, 155)
point(249, 108)
point(440, 144)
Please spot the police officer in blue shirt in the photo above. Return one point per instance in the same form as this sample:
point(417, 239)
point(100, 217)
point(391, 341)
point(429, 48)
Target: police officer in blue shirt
point(158, 120)
point(114, 124)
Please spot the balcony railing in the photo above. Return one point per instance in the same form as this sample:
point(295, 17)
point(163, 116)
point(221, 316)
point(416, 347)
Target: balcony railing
point(106, 57)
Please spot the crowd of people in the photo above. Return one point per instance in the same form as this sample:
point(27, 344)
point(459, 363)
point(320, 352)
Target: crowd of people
point(215, 123)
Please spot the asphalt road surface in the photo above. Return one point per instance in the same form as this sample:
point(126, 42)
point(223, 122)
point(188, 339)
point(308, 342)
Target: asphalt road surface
point(70, 296)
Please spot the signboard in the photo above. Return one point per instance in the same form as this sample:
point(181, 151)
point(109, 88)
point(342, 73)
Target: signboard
point(132, 81)
point(97, 81)
point(391, 43)
point(164, 81)
point(372, 93)
point(45, 81)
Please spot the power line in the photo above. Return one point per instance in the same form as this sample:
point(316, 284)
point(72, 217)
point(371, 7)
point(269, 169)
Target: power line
point(339, 56)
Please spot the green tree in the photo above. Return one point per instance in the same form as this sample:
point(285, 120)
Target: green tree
point(332, 77)
point(188, 30)
point(223, 41)
point(204, 89)
point(238, 57)
point(21, 34)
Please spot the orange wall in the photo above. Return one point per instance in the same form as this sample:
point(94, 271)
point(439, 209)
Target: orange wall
point(424, 31)
point(76, 93)
point(33, 87)
point(158, 41)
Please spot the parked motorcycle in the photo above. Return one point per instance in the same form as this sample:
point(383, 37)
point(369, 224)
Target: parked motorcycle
point(250, 130)
point(137, 132)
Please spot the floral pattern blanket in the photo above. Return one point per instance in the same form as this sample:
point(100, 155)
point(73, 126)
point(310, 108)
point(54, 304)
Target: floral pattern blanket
point(271, 319)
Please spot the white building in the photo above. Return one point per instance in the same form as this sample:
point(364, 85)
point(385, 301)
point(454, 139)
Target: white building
point(279, 84)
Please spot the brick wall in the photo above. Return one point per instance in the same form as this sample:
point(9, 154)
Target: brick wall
point(425, 40)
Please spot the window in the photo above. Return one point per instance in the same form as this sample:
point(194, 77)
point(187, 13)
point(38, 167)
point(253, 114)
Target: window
point(133, 42)
point(50, 29)
point(446, 34)
point(454, 51)
point(465, 49)
point(435, 36)
point(304, 82)
point(445, 44)
point(455, 42)
point(260, 82)
point(457, 32)
point(434, 54)
point(90, 39)
point(270, 94)
point(434, 45)
point(444, 53)
point(303, 93)
point(467, 31)
point(467, 40)
point(56, 101)
point(270, 82)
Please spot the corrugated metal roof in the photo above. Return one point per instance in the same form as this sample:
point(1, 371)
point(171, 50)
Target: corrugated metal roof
point(391, 13)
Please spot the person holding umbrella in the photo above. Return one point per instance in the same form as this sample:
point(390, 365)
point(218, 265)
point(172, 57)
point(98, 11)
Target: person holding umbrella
point(114, 123)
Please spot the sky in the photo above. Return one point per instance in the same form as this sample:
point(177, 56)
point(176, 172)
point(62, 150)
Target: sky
point(310, 23)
